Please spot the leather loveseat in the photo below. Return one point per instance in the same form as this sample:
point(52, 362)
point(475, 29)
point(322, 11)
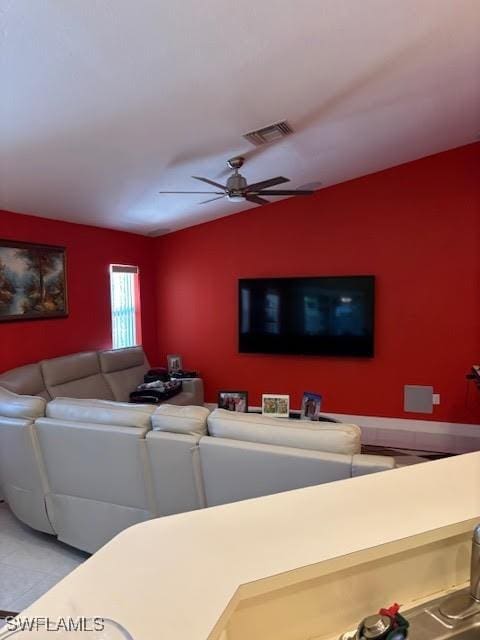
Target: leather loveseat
point(85, 469)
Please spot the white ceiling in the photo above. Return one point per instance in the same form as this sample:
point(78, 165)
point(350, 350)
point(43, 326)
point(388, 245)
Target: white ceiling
point(106, 102)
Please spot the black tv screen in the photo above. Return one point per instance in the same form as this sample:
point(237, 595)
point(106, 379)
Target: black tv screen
point(330, 316)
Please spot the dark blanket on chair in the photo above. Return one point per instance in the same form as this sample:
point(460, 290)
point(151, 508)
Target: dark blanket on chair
point(156, 392)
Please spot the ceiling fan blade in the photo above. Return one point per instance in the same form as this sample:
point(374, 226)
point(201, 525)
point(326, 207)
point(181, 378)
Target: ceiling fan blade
point(215, 184)
point(255, 199)
point(284, 192)
point(264, 184)
point(197, 192)
point(212, 199)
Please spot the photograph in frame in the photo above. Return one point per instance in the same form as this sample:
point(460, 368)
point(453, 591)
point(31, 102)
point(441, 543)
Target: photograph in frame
point(233, 400)
point(311, 406)
point(275, 406)
point(174, 363)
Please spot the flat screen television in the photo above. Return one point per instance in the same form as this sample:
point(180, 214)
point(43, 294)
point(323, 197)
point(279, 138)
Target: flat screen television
point(329, 316)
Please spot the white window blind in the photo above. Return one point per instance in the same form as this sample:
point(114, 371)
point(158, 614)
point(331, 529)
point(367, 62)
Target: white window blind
point(123, 284)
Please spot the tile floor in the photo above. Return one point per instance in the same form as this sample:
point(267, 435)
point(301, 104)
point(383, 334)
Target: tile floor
point(30, 562)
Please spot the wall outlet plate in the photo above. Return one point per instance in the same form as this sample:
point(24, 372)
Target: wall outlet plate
point(435, 398)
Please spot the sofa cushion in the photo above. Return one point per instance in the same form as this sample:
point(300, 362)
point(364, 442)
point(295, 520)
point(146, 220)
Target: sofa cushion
point(124, 370)
point(100, 412)
point(76, 376)
point(300, 434)
point(13, 405)
point(178, 419)
point(26, 380)
point(118, 359)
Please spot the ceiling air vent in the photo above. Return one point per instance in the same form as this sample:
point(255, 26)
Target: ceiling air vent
point(271, 133)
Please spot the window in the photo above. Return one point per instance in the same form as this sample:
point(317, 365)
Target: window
point(125, 302)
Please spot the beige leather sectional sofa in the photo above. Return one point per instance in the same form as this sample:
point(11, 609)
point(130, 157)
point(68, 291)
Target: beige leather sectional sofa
point(104, 375)
point(84, 469)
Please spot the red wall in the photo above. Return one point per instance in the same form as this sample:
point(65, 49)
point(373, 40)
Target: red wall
point(416, 227)
point(90, 251)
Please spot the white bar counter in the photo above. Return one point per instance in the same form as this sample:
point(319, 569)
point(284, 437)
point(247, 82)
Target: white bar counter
point(177, 578)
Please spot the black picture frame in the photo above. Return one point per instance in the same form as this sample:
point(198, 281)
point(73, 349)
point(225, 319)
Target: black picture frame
point(240, 396)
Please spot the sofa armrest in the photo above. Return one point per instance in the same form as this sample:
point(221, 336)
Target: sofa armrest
point(13, 405)
point(191, 393)
point(362, 464)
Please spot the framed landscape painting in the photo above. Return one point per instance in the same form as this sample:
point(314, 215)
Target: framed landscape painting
point(32, 281)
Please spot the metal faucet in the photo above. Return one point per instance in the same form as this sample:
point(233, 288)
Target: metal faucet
point(463, 605)
point(455, 617)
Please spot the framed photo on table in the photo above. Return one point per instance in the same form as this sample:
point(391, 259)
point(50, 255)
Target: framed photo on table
point(233, 400)
point(311, 405)
point(275, 406)
point(174, 363)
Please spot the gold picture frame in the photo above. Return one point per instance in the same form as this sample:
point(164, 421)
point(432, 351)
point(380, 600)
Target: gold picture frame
point(33, 281)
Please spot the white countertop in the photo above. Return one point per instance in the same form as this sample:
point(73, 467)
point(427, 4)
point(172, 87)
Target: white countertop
point(172, 578)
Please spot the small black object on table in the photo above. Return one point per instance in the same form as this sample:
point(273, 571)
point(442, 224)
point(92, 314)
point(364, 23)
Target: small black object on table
point(296, 415)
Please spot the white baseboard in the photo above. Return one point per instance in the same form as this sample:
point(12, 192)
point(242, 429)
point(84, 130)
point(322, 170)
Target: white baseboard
point(424, 435)
point(404, 433)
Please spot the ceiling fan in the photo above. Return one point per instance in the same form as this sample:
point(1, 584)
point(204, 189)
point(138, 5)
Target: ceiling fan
point(237, 189)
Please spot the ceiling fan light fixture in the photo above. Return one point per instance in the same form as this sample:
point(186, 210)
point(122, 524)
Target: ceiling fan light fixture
point(238, 190)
